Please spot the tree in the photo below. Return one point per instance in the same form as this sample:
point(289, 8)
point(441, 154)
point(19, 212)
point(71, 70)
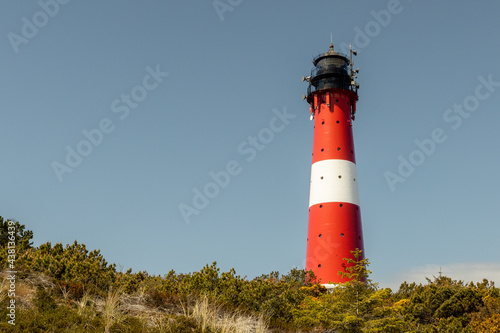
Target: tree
point(22, 236)
point(357, 273)
point(356, 269)
point(15, 240)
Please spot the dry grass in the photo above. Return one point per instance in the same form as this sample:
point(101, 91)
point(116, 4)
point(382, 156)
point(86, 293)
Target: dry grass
point(204, 314)
point(65, 293)
point(26, 286)
point(4, 286)
point(209, 316)
point(86, 306)
point(213, 317)
point(161, 322)
point(111, 309)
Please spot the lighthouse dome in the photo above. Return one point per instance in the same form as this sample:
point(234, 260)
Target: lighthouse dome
point(331, 71)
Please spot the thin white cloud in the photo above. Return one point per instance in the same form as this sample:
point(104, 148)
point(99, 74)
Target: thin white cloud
point(466, 272)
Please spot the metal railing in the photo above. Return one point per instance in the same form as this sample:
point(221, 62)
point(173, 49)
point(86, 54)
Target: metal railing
point(312, 89)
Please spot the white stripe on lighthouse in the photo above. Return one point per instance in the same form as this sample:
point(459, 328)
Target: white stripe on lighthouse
point(327, 186)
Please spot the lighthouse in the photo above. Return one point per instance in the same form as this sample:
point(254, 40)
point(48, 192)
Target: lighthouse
point(334, 227)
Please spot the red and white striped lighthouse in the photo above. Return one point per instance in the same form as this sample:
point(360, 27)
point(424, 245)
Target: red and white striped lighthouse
point(334, 216)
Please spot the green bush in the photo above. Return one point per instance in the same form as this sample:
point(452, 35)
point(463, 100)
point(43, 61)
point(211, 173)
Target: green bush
point(70, 264)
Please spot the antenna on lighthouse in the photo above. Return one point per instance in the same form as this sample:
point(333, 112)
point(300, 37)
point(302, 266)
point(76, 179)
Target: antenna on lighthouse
point(353, 72)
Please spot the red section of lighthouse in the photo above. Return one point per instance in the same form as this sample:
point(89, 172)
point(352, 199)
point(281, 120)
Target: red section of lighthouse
point(334, 216)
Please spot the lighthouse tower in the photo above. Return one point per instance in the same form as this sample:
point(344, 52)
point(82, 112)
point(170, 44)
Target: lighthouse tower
point(334, 228)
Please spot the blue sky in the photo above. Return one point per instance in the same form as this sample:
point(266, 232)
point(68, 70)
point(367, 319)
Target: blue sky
point(204, 78)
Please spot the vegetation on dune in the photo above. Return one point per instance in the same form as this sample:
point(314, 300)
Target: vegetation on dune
point(71, 289)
